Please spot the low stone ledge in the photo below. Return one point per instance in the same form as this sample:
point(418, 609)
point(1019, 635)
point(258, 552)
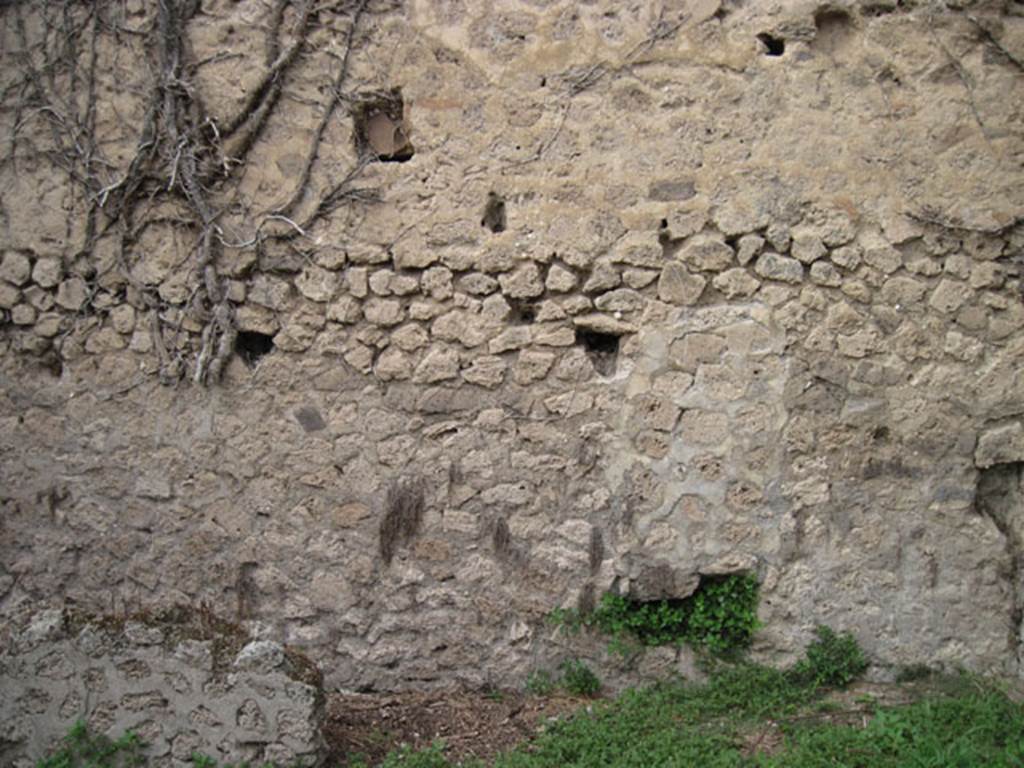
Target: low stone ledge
point(184, 681)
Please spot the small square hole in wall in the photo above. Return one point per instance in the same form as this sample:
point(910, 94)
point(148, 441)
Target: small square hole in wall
point(251, 346)
point(381, 131)
point(601, 348)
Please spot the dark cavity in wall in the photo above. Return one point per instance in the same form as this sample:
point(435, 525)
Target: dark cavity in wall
point(1000, 497)
point(586, 601)
point(773, 46)
point(501, 539)
point(381, 130)
point(596, 550)
point(495, 217)
point(251, 346)
point(601, 348)
point(522, 312)
point(403, 513)
point(834, 27)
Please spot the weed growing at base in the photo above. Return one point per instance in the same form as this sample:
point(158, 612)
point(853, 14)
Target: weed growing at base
point(831, 660)
point(82, 749)
point(577, 678)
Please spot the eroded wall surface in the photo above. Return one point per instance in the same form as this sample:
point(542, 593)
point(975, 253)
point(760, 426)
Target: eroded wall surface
point(607, 296)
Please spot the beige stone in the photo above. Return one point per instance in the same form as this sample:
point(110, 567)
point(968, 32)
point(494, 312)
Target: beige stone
point(344, 309)
point(72, 294)
point(383, 312)
point(379, 282)
point(823, 273)
point(949, 296)
point(15, 268)
point(23, 314)
point(48, 325)
point(487, 371)
point(603, 277)
point(9, 296)
point(748, 248)
point(885, 259)
point(437, 281)
point(122, 318)
point(904, 291)
point(707, 254)
point(104, 340)
point(772, 266)
point(695, 348)
point(736, 282)
point(560, 279)
point(47, 271)
point(269, 292)
point(807, 246)
point(620, 300)
point(679, 286)
point(531, 366)
point(317, 284)
point(515, 337)
point(439, 364)
point(639, 278)
point(638, 249)
point(522, 283)
point(357, 282)
point(393, 365)
point(1000, 445)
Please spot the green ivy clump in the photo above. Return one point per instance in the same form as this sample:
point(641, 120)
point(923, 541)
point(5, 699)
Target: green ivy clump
point(720, 617)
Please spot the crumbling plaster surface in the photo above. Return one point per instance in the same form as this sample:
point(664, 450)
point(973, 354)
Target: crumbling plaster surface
point(810, 262)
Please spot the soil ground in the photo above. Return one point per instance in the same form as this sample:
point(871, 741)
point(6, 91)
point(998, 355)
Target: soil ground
point(484, 724)
point(472, 724)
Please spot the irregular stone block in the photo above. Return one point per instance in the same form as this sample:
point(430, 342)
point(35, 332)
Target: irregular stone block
point(15, 268)
point(1000, 445)
point(47, 271)
point(735, 283)
point(72, 294)
point(677, 285)
point(772, 266)
point(522, 283)
point(706, 254)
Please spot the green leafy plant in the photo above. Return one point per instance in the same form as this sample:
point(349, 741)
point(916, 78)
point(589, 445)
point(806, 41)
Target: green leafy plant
point(569, 619)
point(541, 683)
point(578, 679)
point(406, 757)
point(914, 672)
point(82, 749)
point(831, 660)
point(720, 617)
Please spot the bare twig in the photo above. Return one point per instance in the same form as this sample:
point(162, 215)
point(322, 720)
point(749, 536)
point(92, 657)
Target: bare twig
point(332, 104)
point(930, 216)
point(987, 34)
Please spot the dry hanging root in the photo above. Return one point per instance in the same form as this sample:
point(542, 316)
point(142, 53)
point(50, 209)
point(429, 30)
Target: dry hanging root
point(184, 160)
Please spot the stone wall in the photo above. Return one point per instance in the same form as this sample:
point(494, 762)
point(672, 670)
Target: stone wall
point(184, 689)
point(655, 292)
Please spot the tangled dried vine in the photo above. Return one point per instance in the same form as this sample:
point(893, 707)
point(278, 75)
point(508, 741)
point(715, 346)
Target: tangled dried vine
point(186, 164)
